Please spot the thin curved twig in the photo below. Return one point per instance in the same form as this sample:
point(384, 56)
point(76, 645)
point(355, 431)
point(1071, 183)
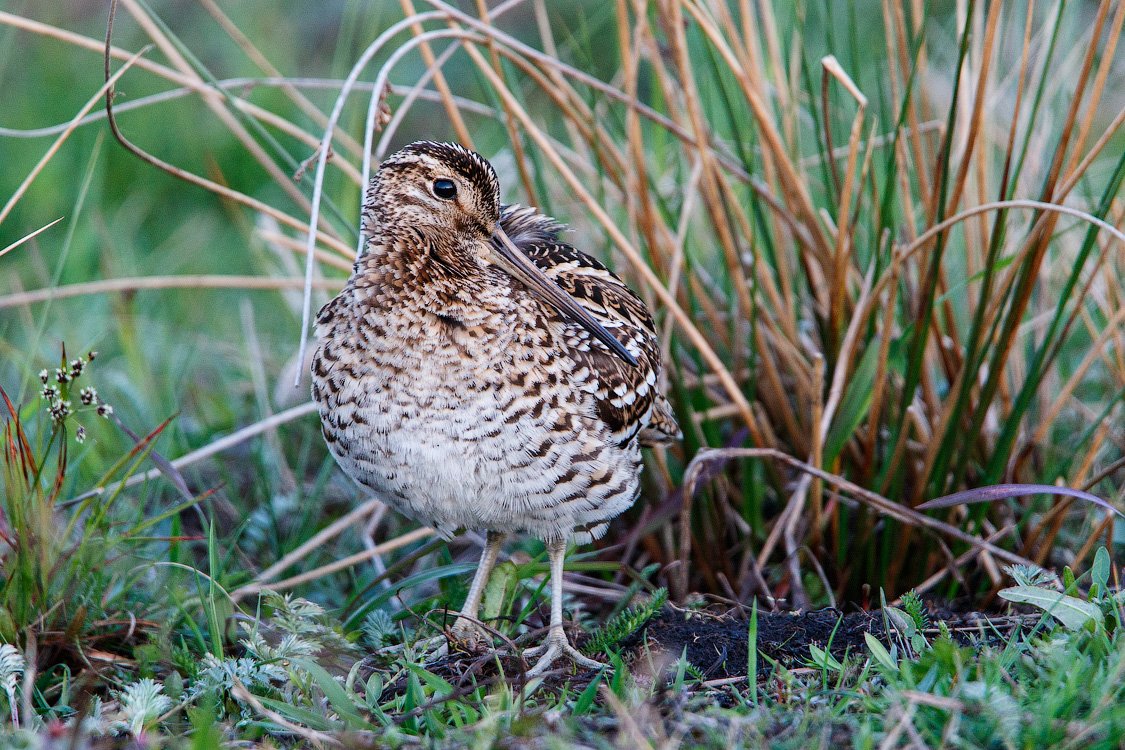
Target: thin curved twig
point(968, 213)
point(904, 252)
point(322, 161)
point(336, 565)
point(104, 90)
point(172, 169)
point(244, 82)
point(722, 154)
point(413, 93)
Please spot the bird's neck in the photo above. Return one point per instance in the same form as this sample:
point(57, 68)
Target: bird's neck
point(420, 269)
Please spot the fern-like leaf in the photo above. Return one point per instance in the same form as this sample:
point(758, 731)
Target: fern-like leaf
point(1030, 575)
point(379, 629)
point(625, 624)
point(142, 703)
point(914, 606)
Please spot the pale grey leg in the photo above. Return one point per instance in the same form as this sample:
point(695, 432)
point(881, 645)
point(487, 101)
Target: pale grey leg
point(557, 645)
point(464, 627)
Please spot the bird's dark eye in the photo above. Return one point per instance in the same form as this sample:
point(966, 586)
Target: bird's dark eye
point(445, 189)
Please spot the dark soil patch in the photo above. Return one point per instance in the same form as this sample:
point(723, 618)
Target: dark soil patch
point(719, 645)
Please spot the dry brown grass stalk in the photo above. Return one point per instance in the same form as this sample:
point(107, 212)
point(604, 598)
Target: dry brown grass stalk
point(132, 284)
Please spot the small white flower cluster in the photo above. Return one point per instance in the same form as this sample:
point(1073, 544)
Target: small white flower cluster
point(57, 393)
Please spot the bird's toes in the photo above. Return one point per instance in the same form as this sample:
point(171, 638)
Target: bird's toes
point(557, 648)
point(467, 635)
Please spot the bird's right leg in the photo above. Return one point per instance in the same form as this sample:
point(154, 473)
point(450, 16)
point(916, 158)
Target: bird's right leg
point(465, 627)
point(557, 646)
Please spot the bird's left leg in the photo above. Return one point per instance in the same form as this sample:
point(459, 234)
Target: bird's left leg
point(556, 645)
point(465, 627)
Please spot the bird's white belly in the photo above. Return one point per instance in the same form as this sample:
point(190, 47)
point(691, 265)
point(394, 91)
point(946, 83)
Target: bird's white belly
point(463, 457)
point(435, 476)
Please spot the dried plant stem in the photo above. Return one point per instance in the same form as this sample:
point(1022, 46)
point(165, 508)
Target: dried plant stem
point(212, 448)
point(334, 529)
point(29, 236)
point(451, 109)
point(315, 738)
point(955, 565)
point(619, 239)
point(206, 184)
point(138, 283)
point(291, 90)
point(380, 549)
point(413, 93)
point(212, 98)
point(918, 244)
point(1107, 65)
point(794, 187)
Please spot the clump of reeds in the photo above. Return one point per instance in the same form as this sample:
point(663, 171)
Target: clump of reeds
point(893, 281)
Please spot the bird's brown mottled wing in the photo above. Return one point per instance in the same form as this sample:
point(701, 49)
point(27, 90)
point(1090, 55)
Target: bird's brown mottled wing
point(627, 396)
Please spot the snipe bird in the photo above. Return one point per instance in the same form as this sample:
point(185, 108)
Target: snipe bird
point(478, 372)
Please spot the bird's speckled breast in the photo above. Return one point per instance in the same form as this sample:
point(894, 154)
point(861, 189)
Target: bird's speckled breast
point(444, 422)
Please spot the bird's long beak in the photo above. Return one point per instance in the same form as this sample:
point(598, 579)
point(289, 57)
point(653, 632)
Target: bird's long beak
point(511, 259)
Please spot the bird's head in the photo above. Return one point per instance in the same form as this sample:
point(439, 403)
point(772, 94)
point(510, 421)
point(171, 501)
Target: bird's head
point(437, 187)
point(451, 195)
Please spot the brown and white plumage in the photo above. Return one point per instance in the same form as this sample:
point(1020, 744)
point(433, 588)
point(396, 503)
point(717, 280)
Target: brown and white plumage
point(627, 395)
point(461, 387)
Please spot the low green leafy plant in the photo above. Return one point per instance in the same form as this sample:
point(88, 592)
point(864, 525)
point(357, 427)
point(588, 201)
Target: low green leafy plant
point(1072, 610)
point(1054, 685)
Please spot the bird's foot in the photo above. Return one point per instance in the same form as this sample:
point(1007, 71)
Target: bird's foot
point(463, 636)
point(555, 648)
point(469, 636)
